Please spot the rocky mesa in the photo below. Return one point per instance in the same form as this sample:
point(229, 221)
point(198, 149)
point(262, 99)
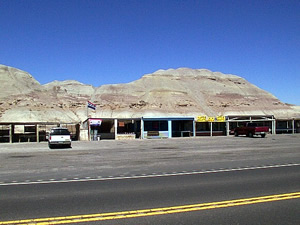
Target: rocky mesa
point(172, 92)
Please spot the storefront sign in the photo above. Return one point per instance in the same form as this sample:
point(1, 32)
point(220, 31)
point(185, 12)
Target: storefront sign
point(221, 118)
point(201, 119)
point(95, 122)
point(19, 129)
point(211, 119)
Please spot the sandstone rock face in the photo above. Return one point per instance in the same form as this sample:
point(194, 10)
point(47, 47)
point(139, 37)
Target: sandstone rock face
point(173, 92)
point(71, 88)
point(23, 99)
point(187, 92)
point(14, 82)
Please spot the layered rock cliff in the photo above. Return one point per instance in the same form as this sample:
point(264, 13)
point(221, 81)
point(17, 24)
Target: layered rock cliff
point(173, 92)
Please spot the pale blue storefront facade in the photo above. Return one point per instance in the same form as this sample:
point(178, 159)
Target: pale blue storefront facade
point(167, 127)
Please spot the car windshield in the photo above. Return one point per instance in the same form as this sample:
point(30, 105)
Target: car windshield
point(60, 132)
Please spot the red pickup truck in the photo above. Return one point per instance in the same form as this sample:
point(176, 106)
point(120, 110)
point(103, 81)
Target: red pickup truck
point(251, 129)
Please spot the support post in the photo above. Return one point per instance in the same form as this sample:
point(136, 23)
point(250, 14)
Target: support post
point(194, 128)
point(142, 128)
point(10, 133)
point(89, 129)
point(37, 133)
point(116, 129)
point(293, 126)
point(274, 126)
point(211, 129)
point(169, 128)
point(227, 128)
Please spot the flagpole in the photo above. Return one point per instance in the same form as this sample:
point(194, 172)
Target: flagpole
point(88, 122)
point(87, 110)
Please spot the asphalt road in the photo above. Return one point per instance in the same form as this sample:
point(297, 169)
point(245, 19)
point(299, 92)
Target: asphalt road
point(109, 177)
point(92, 197)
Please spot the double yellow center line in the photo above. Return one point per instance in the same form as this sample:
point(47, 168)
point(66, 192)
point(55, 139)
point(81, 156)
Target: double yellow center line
point(154, 212)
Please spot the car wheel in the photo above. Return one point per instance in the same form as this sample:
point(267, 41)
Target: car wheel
point(263, 135)
point(236, 134)
point(251, 135)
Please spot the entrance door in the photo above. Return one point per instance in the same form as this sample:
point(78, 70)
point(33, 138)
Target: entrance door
point(182, 128)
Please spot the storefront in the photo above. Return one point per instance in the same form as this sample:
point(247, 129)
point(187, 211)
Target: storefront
point(128, 129)
point(97, 129)
point(33, 131)
point(211, 126)
point(167, 127)
point(285, 126)
point(260, 120)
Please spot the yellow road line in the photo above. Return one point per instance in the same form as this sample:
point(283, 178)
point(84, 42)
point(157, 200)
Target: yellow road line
point(153, 212)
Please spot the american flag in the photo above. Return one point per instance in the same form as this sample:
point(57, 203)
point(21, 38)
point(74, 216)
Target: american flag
point(91, 105)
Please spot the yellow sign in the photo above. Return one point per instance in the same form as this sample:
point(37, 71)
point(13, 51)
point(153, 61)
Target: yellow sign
point(221, 118)
point(201, 119)
point(211, 119)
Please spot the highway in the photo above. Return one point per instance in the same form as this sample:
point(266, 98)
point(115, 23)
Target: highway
point(259, 192)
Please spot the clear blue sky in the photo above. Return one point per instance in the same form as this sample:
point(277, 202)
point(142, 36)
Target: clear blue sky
point(117, 41)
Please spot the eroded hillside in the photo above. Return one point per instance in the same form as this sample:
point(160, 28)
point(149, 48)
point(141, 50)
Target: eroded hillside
point(173, 92)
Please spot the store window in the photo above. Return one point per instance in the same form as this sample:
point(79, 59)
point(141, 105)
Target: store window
point(156, 125)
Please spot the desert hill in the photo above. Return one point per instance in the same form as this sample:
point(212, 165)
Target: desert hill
point(172, 92)
point(14, 81)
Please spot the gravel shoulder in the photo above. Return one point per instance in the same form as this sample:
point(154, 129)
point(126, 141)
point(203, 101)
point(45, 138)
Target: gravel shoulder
point(22, 161)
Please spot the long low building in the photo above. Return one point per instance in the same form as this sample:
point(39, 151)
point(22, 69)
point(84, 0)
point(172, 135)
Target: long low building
point(172, 127)
point(93, 129)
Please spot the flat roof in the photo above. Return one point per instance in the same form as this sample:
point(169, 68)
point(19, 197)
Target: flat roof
point(169, 118)
point(34, 123)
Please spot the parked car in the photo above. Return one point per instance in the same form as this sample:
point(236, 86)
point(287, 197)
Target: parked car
point(59, 137)
point(251, 129)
